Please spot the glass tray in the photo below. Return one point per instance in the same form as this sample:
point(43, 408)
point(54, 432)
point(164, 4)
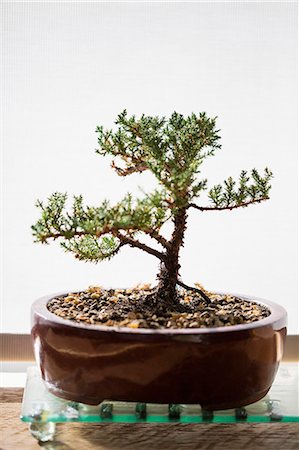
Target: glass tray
point(280, 404)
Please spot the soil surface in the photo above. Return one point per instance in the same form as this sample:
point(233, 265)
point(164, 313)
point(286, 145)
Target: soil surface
point(138, 308)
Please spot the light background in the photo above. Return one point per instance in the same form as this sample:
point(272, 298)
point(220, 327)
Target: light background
point(72, 66)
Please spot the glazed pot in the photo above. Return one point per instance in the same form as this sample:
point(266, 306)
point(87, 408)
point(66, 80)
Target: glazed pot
point(218, 368)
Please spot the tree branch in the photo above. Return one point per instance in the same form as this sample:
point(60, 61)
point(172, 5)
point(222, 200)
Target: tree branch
point(155, 235)
point(222, 208)
point(191, 288)
point(123, 239)
point(67, 234)
point(134, 243)
point(57, 235)
point(123, 172)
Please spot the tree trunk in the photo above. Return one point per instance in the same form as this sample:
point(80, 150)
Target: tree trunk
point(169, 272)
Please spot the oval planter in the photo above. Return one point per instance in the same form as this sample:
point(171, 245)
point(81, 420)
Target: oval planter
point(219, 368)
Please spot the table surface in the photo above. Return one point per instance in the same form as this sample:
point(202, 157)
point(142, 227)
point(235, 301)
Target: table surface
point(82, 436)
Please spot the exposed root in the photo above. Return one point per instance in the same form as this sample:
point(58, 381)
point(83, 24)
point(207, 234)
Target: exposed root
point(191, 288)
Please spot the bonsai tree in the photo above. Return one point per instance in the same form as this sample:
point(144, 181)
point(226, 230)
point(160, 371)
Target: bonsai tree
point(173, 150)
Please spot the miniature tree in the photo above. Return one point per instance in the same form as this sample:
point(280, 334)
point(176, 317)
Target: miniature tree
point(173, 150)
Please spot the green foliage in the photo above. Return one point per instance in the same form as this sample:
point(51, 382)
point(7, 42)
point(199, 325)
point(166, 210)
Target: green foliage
point(91, 248)
point(92, 233)
point(248, 190)
point(173, 150)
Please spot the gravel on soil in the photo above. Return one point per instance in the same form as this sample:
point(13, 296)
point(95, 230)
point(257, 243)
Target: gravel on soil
point(125, 308)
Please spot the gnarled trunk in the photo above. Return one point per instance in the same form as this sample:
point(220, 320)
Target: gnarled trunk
point(169, 272)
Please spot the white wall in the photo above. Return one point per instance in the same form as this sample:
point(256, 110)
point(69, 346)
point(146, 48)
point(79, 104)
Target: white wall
point(72, 66)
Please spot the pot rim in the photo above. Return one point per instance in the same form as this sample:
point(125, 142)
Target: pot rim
point(277, 317)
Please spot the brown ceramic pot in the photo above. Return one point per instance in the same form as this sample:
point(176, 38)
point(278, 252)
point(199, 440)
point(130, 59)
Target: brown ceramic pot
point(219, 368)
